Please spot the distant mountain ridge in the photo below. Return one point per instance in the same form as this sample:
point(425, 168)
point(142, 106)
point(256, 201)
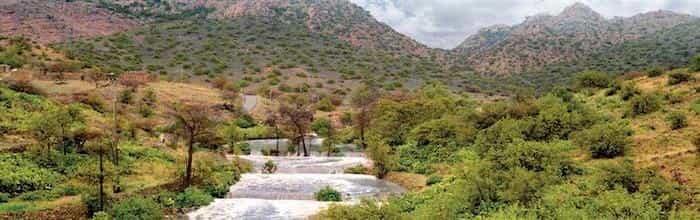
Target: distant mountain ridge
point(541, 40)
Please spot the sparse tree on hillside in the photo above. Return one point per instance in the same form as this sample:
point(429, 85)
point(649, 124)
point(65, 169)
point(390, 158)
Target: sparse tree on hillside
point(363, 99)
point(324, 128)
point(296, 115)
point(193, 121)
point(95, 75)
point(273, 120)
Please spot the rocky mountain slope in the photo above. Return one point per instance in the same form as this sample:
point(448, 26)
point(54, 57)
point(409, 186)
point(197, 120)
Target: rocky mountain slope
point(55, 21)
point(541, 40)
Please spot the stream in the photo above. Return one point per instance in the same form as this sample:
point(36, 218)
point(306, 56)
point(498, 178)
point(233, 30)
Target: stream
point(289, 193)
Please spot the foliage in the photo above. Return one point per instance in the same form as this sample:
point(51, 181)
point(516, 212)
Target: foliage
point(23, 175)
point(382, 157)
point(193, 197)
point(269, 167)
point(677, 77)
point(655, 72)
point(136, 208)
point(695, 64)
point(605, 140)
point(592, 79)
point(645, 104)
point(677, 120)
point(328, 194)
point(245, 121)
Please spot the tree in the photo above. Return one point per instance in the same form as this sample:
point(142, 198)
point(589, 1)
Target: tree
point(96, 75)
point(324, 128)
point(273, 119)
point(592, 79)
point(193, 121)
point(363, 99)
point(605, 140)
point(296, 115)
point(232, 135)
point(383, 158)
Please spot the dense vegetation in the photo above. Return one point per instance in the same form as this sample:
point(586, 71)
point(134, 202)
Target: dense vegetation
point(565, 155)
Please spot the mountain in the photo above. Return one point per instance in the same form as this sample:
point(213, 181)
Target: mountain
point(541, 40)
point(56, 21)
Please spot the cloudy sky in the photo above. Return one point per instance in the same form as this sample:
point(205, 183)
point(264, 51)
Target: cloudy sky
point(445, 23)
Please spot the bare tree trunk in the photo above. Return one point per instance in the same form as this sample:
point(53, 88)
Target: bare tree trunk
point(277, 140)
point(190, 152)
point(303, 145)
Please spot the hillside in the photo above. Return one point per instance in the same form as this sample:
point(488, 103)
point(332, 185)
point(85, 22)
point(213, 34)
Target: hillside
point(542, 40)
point(671, 48)
point(256, 50)
point(57, 21)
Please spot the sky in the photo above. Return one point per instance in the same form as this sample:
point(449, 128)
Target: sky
point(446, 23)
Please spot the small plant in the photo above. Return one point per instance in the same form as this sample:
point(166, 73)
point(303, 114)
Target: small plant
point(433, 179)
point(593, 79)
point(678, 78)
point(136, 208)
point(677, 120)
point(645, 104)
point(193, 197)
point(270, 167)
point(656, 71)
point(328, 194)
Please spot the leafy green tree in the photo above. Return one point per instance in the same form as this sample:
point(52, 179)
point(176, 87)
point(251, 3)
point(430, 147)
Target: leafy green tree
point(592, 79)
point(605, 140)
point(645, 104)
point(383, 157)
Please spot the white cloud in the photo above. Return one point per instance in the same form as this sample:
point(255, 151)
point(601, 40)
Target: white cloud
point(445, 23)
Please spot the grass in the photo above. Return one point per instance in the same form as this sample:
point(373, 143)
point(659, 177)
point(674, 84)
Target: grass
point(410, 181)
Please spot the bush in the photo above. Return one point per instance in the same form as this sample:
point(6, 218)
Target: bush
point(695, 64)
point(91, 200)
point(654, 72)
point(592, 79)
point(270, 167)
point(4, 197)
point(245, 121)
point(193, 197)
point(22, 175)
point(433, 179)
point(645, 104)
point(678, 78)
point(328, 194)
point(605, 140)
point(677, 120)
point(101, 216)
point(137, 208)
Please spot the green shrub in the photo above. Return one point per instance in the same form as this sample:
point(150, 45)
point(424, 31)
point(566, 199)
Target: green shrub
point(4, 197)
point(193, 197)
point(101, 216)
point(654, 72)
point(165, 199)
point(605, 140)
point(22, 175)
point(677, 120)
point(218, 182)
point(270, 167)
point(676, 78)
point(328, 194)
point(695, 64)
point(137, 208)
point(433, 179)
point(592, 79)
point(645, 104)
point(629, 91)
point(245, 121)
point(325, 105)
point(695, 107)
point(91, 200)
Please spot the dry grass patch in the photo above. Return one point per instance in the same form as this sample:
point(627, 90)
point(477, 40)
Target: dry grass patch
point(410, 181)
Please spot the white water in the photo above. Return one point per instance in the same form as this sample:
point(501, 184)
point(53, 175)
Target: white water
point(289, 193)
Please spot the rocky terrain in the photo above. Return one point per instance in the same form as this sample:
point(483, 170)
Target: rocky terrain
point(542, 40)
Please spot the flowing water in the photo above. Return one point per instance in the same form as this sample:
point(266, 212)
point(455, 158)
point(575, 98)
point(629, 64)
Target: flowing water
point(289, 193)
